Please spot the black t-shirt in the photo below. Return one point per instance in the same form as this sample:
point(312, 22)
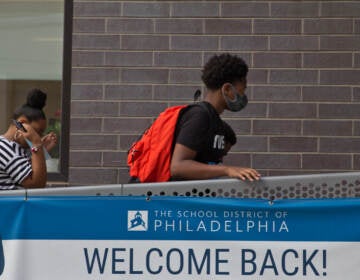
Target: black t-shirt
point(200, 129)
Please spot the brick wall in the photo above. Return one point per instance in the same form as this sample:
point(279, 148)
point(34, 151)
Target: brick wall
point(132, 59)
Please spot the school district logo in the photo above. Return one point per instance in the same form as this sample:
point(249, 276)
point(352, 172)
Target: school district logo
point(137, 220)
point(2, 257)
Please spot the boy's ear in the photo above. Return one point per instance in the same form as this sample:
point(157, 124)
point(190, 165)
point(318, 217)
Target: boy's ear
point(227, 89)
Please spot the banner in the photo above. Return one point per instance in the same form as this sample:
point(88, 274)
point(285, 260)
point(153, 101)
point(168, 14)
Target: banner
point(83, 238)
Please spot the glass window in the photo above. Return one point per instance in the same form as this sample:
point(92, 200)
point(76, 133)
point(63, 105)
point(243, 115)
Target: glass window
point(31, 56)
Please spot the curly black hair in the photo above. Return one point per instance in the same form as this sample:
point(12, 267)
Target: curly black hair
point(223, 68)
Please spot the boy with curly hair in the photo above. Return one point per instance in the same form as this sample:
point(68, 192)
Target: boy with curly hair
point(200, 134)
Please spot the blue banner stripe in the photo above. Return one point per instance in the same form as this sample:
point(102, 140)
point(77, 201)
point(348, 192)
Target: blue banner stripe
point(179, 218)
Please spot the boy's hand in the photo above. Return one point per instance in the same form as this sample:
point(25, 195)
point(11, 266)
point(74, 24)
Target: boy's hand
point(243, 173)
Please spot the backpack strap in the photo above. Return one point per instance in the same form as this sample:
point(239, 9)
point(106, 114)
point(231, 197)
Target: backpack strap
point(197, 95)
point(202, 105)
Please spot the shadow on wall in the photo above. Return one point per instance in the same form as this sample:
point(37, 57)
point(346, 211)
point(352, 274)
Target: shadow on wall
point(2, 257)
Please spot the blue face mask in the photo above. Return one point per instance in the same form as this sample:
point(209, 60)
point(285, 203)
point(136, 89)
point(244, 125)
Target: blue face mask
point(46, 154)
point(238, 103)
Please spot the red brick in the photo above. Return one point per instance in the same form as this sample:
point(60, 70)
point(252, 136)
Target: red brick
point(144, 9)
point(327, 128)
point(93, 142)
point(250, 144)
point(276, 161)
point(86, 125)
point(128, 92)
point(293, 76)
point(195, 9)
point(294, 43)
point(97, 9)
point(327, 60)
point(82, 75)
point(293, 144)
point(175, 92)
point(131, 59)
point(114, 159)
point(245, 9)
point(277, 60)
point(178, 59)
point(129, 75)
point(339, 111)
point(340, 9)
point(180, 42)
point(145, 42)
point(357, 60)
point(227, 26)
point(95, 42)
point(178, 26)
point(277, 127)
point(277, 26)
point(292, 110)
point(126, 141)
point(357, 162)
point(86, 58)
point(93, 176)
point(86, 92)
point(141, 109)
point(85, 159)
point(238, 159)
point(95, 108)
point(326, 162)
point(88, 25)
point(130, 26)
point(343, 77)
point(339, 43)
point(276, 93)
point(244, 43)
point(326, 93)
point(294, 9)
point(126, 125)
point(328, 26)
point(185, 76)
point(340, 145)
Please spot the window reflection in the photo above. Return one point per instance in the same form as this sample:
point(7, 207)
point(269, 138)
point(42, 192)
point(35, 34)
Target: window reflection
point(31, 47)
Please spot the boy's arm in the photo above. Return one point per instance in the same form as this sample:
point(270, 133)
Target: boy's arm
point(184, 166)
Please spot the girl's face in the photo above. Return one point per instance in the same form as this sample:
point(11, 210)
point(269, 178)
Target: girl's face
point(39, 126)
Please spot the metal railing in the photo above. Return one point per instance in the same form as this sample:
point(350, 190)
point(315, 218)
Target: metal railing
point(328, 185)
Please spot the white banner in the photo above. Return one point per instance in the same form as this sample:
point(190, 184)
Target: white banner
point(218, 260)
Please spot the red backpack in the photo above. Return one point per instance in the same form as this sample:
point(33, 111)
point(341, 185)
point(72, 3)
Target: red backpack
point(149, 158)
